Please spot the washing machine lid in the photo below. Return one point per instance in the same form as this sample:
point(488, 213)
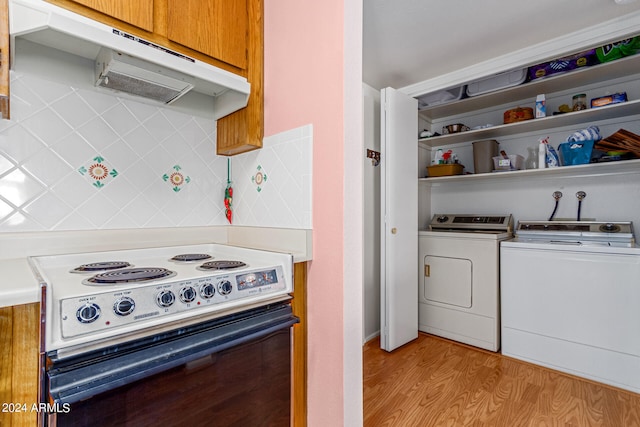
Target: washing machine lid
point(579, 232)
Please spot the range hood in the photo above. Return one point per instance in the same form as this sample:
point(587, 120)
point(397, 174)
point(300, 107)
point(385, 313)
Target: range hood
point(123, 62)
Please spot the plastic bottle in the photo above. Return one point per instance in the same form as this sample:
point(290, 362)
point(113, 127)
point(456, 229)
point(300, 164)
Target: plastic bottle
point(553, 161)
point(542, 153)
point(438, 158)
point(532, 158)
point(541, 106)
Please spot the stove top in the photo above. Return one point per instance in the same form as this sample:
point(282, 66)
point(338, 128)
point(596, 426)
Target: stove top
point(103, 297)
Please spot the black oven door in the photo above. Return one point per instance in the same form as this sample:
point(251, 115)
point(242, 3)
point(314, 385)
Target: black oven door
point(234, 371)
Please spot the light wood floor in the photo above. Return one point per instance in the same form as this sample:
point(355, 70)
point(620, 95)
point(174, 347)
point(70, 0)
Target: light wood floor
point(436, 382)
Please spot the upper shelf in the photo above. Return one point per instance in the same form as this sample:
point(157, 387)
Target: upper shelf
point(591, 169)
point(567, 119)
point(574, 79)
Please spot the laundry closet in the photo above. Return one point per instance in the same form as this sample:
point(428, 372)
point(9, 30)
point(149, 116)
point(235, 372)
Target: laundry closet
point(605, 191)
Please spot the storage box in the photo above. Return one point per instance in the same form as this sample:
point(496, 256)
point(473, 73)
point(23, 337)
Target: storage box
point(497, 82)
point(616, 98)
point(445, 170)
point(518, 114)
point(561, 65)
point(575, 153)
point(441, 97)
point(515, 162)
point(483, 153)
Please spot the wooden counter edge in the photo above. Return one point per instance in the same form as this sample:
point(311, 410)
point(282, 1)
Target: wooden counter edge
point(299, 368)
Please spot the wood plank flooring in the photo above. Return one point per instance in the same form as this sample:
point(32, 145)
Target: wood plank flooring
point(436, 382)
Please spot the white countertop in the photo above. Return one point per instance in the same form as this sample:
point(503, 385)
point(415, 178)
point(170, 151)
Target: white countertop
point(19, 285)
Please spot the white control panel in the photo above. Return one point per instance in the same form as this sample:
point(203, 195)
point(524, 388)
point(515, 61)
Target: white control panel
point(118, 307)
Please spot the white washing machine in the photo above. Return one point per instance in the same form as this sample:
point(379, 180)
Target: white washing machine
point(459, 277)
point(570, 299)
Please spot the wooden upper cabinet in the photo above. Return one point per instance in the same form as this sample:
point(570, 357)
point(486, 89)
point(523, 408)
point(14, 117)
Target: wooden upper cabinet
point(138, 12)
point(212, 31)
point(243, 130)
point(217, 28)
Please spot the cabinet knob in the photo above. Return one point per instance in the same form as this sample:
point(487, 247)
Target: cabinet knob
point(394, 230)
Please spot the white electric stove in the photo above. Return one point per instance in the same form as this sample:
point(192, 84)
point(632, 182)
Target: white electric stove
point(104, 298)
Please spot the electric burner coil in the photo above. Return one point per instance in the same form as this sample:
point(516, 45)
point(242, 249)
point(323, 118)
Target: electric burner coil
point(100, 266)
point(190, 257)
point(222, 265)
point(130, 275)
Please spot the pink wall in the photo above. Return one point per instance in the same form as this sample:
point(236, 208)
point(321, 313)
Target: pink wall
point(304, 84)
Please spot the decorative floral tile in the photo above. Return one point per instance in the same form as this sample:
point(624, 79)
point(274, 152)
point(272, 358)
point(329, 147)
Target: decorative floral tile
point(259, 178)
point(98, 172)
point(176, 179)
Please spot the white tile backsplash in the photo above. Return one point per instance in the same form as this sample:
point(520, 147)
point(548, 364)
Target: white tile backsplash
point(283, 199)
point(58, 132)
point(18, 144)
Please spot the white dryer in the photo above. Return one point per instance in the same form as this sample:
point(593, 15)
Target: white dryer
point(459, 277)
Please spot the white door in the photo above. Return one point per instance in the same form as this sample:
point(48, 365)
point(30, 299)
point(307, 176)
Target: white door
point(399, 211)
point(448, 280)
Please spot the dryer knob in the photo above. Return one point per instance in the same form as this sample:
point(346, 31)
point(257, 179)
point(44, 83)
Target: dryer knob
point(442, 218)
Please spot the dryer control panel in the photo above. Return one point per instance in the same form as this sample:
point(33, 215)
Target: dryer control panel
point(472, 222)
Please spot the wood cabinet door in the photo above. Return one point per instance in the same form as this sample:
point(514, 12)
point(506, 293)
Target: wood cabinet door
point(138, 13)
point(19, 355)
point(217, 28)
point(243, 130)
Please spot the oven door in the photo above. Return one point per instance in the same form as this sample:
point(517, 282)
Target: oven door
point(226, 372)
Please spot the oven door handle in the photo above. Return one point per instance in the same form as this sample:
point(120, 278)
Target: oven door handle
point(71, 384)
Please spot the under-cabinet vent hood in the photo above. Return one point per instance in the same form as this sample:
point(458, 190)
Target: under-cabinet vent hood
point(121, 72)
point(125, 63)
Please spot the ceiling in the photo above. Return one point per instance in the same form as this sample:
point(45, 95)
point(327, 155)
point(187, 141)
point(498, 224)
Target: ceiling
point(409, 41)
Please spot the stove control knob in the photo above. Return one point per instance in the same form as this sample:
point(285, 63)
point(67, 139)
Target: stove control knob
point(88, 313)
point(442, 218)
point(187, 294)
point(165, 298)
point(124, 306)
point(207, 291)
point(225, 287)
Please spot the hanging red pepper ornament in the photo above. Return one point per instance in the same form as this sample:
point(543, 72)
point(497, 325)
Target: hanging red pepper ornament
point(228, 194)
